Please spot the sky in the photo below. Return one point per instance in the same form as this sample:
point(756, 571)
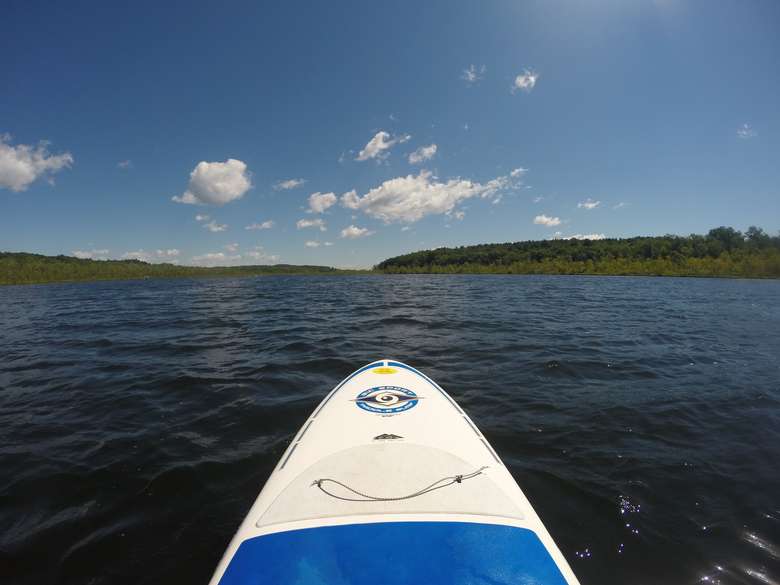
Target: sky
point(343, 133)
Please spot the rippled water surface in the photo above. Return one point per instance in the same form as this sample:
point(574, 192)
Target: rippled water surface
point(139, 420)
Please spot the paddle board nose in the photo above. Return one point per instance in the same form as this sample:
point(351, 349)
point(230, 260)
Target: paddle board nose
point(389, 462)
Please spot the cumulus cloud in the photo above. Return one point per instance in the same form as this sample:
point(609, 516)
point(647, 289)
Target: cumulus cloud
point(137, 255)
point(22, 164)
point(233, 248)
point(201, 217)
point(259, 256)
point(422, 154)
point(526, 81)
point(746, 131)
point(169, 255)
point(319, 202)
point(216, 183)
point(288, 184)
point(307, 223)
point(409, 199)
point(547, 221)
point(518, 172)
point(266, 225)
point(588, 204)
point(378, 147)
point(213, 226)
point(90, 254)
point(312, 244)
point(558, 236)
point(353, 232)
point(473, 74)
point(125, 164)
point(214, 258)
point(250, 257)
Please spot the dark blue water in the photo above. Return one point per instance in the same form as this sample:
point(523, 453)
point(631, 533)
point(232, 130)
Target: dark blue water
point(139, 420)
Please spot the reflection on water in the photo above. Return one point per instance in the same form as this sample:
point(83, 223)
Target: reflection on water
point(138, 420)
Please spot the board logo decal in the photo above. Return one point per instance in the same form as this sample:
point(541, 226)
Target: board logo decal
point(384, 370)
point(387, 399)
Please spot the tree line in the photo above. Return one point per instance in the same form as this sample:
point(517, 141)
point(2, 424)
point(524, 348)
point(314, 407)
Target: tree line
point(24, 268)
point(723, 251)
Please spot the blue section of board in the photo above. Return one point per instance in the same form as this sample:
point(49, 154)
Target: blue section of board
point(395, 553)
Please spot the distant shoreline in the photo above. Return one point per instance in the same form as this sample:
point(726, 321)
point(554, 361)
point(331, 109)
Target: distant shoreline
point(490, 271)
point(22, 268)
point(722, 253)
point(341, 273)
point(185, 276)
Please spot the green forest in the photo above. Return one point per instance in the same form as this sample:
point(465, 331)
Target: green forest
point(23, 268)
point(724, 251)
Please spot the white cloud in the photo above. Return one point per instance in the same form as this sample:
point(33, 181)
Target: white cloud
point(353, 232)
point(588, 204)
point(232, 248)
point(216, 183)
point(201, 217)
point(746, 131)
point(125, 164)
point(214, 259)
point(312, 244)
point(258, 255)
point(90, 254)
point(213, 226)
point(459, 215)
point(558, 236)
point(526, 81)
point(266, 225)
point(620, 205)
point(409, 199)
point(319, 202)
point(307, 223)
point(547, 221)
point(137, 255)
point(327, 243)
point(422, 154)
point(288, 184)
point(406, 228)
point(518, 172)
point(22, 164)
point(170, 255)
point(538, 199)
point(379, 145)
point(473, 74)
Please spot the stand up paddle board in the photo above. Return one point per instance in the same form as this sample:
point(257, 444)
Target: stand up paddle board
point(389, 481)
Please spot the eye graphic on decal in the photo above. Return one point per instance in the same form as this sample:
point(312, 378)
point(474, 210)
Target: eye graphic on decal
point(387, 399)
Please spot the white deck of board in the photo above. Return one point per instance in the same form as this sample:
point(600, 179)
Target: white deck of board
point(339, 442)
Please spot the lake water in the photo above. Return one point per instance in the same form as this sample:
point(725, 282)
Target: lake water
point(641, 416)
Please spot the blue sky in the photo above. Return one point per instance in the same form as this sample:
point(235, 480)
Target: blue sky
point(549, 119)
